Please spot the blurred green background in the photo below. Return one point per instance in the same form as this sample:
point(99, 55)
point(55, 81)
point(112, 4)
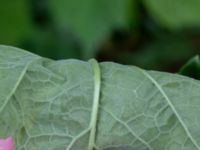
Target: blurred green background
point(153, 34)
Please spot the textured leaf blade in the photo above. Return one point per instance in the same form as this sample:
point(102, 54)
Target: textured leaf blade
point(52, 106)
point(143, 109)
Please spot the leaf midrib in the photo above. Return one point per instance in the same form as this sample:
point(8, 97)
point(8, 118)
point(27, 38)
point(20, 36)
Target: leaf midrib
point(94, 113)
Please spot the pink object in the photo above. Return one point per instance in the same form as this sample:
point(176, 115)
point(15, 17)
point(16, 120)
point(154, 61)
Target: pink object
point(7, 144)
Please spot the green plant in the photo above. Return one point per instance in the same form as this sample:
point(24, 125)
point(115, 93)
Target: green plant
point(78, 105)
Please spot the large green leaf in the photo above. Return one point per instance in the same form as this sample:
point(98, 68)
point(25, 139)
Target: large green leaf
point(76, 105)
point(92, 20)
point(175, 13)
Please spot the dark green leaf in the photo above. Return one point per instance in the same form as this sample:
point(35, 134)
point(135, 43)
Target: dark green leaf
point(192, 68)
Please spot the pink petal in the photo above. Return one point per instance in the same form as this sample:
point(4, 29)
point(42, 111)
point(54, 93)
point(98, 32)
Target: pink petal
point(7, 144)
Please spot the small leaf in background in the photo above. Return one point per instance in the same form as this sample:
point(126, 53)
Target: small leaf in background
point(175, 13)
point(91, 20)
point(15, 21)
point(192, 68)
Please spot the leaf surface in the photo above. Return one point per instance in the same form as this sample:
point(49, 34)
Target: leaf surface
point(73, 105)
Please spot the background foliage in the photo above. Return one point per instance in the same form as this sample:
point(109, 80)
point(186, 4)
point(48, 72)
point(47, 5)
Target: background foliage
point(152, 34)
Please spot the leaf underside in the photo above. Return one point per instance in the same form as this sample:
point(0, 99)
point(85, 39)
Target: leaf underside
point(51, 105)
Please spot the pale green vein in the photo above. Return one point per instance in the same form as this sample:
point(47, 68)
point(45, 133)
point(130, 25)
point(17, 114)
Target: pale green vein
point(15, 86)
point(94, 115)
point(76, 138)
point(128, 128)
point(172, 107)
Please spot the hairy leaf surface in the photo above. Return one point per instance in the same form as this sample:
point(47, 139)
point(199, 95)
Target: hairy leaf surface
point(77, 105)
